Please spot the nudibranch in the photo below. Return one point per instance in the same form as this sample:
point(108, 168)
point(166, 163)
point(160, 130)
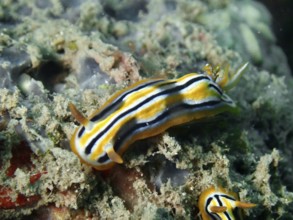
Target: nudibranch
point(148, 108)
point(215, 203)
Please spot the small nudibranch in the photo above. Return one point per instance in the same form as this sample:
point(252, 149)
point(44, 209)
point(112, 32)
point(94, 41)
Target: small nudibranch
point(146, 109)
point(217, 203)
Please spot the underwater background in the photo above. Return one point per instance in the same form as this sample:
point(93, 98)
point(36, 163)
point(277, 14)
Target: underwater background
point(82, 51)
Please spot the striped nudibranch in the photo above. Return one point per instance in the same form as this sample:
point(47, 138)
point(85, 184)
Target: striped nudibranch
point(215, 203)
point(148, 108)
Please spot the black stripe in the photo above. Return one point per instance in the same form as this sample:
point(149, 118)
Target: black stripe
point(209, 200)
point(231, 102)
point(111, 107)
point(216, 88)
point(227, 215)
point(220, 91)
point(221, 204)
point(228, 197)
point(81, 131)
point(218, 200)
point(167, 91)
point(134, 127)
point(103, 158)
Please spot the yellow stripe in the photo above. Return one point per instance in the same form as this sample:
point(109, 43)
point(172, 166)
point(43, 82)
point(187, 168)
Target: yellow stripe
point(117, 94)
